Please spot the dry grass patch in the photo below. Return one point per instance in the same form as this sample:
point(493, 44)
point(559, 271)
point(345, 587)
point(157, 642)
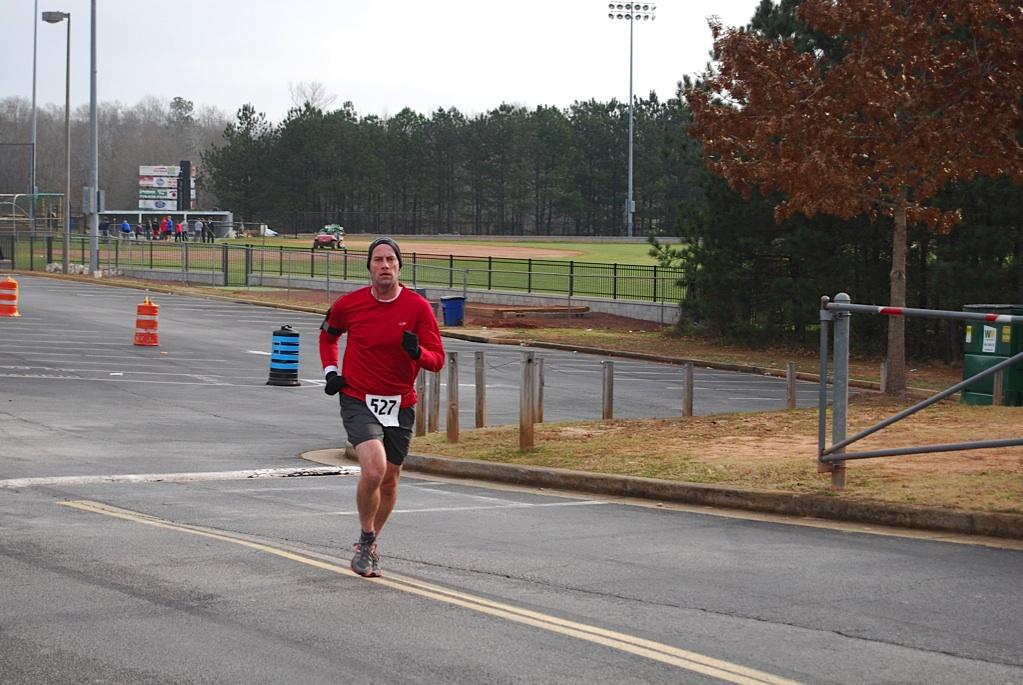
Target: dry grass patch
point(777, 451)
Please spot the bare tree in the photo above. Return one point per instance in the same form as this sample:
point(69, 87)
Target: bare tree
point(312, 93)
point(152, 131)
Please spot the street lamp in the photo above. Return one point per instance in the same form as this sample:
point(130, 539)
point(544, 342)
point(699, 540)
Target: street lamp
point(93, 151)
point(56, 18)
point(631, 12)
point(35, 50)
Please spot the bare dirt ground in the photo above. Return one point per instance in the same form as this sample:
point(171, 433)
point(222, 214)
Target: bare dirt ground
point(489, 317)
point(470, 250)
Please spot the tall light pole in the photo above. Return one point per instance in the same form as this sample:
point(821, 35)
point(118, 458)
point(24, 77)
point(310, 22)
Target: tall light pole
point(631, 12)
point(35, 51)
point(56, 18)
point(93, 152)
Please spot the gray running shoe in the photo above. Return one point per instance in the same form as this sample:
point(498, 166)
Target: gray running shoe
point(364, 561)
point(375, 571)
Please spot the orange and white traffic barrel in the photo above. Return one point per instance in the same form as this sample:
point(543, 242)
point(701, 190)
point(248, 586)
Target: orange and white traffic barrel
point(9, 297)
point(147, 325)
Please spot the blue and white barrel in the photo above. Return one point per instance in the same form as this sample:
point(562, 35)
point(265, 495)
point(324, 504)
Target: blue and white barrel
point(284, 358)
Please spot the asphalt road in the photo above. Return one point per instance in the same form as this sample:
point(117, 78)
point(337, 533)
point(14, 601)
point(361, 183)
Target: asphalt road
point(198, 397)
point(194, 570)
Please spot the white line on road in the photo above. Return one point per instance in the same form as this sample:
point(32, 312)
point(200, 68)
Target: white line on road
point(34, 343)
point(11, 483)
point(682, 387)
point(125, 380)
point(505, 505)
point(761, 399)
point(30, 332)
point(163, 357)
point(806, 392)
point(134, 370)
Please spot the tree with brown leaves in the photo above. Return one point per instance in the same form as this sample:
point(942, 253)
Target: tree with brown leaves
point(914, 96)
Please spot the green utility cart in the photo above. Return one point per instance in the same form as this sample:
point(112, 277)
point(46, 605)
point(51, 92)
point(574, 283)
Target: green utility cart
point(984, 345)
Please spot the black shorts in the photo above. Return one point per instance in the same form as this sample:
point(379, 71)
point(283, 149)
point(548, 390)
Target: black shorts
point(361, 425)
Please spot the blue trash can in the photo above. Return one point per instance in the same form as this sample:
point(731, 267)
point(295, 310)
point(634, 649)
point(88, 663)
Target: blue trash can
point(453, 309)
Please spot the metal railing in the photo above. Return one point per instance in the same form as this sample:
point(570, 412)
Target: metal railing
point(831, 458)
point(233, 264)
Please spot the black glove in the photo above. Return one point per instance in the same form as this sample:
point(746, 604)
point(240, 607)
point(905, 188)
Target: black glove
point(335, 382)
point(410, 341)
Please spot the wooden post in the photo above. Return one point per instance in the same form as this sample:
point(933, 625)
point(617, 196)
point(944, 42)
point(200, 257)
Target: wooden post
point(687, 391)
point(884, 377)
point(433, 419)
point(452, 422)
point(790, 379)
point(998, 389)
point(424, 403)
point(526, 411)
point(539, 391)
point(607, 412)
point(481, 391)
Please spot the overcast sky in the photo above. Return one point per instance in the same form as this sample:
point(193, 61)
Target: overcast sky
point(381, 55)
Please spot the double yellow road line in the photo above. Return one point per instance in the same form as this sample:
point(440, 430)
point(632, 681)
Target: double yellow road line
point(655, 651)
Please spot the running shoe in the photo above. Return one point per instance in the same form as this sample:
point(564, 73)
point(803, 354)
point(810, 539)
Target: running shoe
point(375, 571)
point(365, 560)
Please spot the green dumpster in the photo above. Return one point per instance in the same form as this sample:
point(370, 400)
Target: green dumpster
point(984, 345)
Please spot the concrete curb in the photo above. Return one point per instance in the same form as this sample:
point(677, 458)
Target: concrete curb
point(1008, 526)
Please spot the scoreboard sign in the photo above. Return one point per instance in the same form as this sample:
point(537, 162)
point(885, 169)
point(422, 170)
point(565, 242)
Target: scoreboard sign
point(164, 205)
point(158, 184)
point(158, 181)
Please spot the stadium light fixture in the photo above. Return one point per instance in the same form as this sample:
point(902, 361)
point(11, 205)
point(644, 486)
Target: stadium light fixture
point(56, 18)
point(631, 12)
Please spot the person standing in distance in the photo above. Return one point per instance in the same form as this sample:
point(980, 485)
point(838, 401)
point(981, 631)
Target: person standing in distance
point(392, 333)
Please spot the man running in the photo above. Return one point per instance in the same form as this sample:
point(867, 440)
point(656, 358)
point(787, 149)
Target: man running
point(392, 333)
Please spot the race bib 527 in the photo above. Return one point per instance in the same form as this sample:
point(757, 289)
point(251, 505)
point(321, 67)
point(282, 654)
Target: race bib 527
point(385, 408)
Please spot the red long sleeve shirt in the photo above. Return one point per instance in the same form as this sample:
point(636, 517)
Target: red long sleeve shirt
point(374, 360)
